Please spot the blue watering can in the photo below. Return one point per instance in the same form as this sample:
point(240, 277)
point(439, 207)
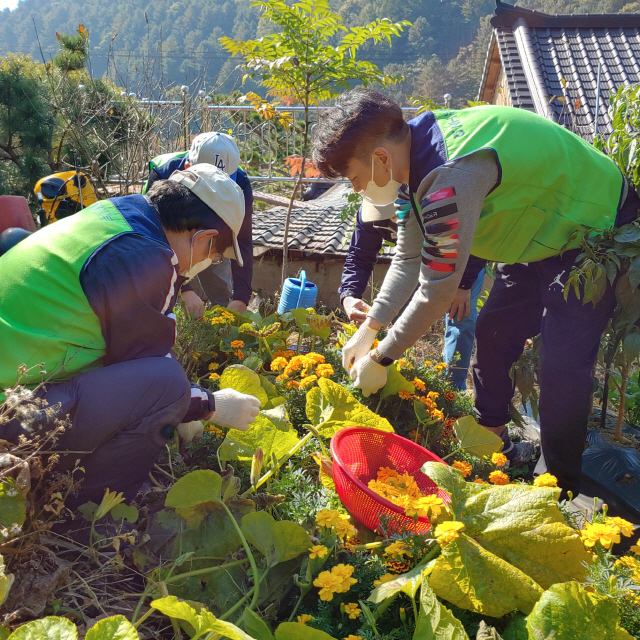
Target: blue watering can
point(297, 293)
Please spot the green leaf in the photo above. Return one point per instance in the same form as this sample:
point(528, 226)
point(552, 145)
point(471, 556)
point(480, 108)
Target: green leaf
point(470, 577)
point(346, 411)
point(49, 628)
point(517, 629)
point(567, 612)
point(297, 631)
point(12, 505)
point(634, 272)
point(124, 512)
point(5, 632)
point(279, 417)
point(405, 583)
point(475, 439)
point(275, 399)
point(255, 626)
point(627, 233)
point(194, 488)
point(241, 445)
point(277, 541)
point(395, 382)
point(113, 628)
point(6, 581)
point(253, 363)
point(244, 380)
point(631, 346)
point(435, 621)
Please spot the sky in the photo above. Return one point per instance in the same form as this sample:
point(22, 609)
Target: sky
point(8, 4)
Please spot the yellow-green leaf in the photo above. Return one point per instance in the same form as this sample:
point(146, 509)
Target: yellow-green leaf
point(244, 380)
point(405, 583)
point(112, 628)
point(475, 439)
point(435, 621)
point(49, 628)
point(198, 486)
point(297, 631)
point(395, 382)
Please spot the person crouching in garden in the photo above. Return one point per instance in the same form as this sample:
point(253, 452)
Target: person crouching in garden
point(91, 298)
point(501, 184)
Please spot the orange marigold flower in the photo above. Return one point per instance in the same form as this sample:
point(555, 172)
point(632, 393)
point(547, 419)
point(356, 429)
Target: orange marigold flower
point(278, 363)
point(237, 344)
point(308, 381)
point(419, 385)
point(324, 370)
point(462, 466)
point(498, 477)
point(404, 395)
point(284, 354)
point(433, 395)
point(397, 567)
point(293, 384)
point(427, 363)
point(449, 396)
point(449, 422)
point(240, 355)
point(436, 414)
point(499, 459)
point(479, 481)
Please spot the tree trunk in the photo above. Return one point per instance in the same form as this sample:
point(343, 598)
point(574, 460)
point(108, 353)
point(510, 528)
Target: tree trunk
point(623, 390)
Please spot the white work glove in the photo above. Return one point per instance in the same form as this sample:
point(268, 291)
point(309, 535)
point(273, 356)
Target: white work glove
point(368, 376)
point(358, 346)
point(234, 410)
point(189, 431)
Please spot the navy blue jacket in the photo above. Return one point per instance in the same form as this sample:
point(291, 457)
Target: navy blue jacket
point(132, 284)
point(242, 275)
point(364, 249)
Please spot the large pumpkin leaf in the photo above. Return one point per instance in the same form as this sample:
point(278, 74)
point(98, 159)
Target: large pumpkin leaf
point(49, 628)
point(113, 628)
point(519, 523)
point(405, 583)
point(475, 439)
point(395, 382)
point(255, 626)
point(347, 411)
point(12, 505)
point(275, 399)
point(196, 487)
point(244, 380)
point(567, 612)
point(470, 577)
point(297, 631)
point(277, 541)
point(318, 408)
point(435, 621)
point(241, 445)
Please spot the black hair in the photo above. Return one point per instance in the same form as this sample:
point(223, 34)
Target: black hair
point(360, 120)
point(181, 210)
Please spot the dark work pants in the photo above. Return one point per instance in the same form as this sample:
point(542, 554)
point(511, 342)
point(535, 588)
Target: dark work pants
point(122, 416)
point(528, 299)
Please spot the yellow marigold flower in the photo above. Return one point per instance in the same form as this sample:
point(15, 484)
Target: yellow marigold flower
point(427, 363)
point(324, 370)
point(403, 363)
point(214, 366)
point(440, 367)
point(293, 384)
point(436, 414)
point(352, 637)
point(328, 583)
point(237, 344)
point(626, 561)
point(327, 518)
point(398, 549)
point(304, 618)
point(433, 395)
point(404, 395)
point(314, 358)
point(343, 573)
point(449, 396)
point(605, 534)
point(636, 548)
point(499, 459)
point(318, 551)
point(278, 363)
point(426, 505)
point(386, 473)
point(447, 532)
point(281, 377)
point(498, 477)
point(344, 528)
point(214, 376)
point(195, 355)
point(419, 385)
point(308, 381)
point(387, 577)
point(479, 481)
point(545, 480)
point(352, 610)
point(211, 428)
point(623, 526)
point(464, 467)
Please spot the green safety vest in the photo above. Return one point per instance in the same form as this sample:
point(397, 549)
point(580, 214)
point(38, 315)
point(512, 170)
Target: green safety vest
point(159, 161)
point(554, 187)
point(45, 316)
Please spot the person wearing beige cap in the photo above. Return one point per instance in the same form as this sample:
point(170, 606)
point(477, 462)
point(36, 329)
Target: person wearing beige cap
point(89, 301)
point(228, 283)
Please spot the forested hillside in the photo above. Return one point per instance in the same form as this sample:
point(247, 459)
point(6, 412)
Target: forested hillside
point(443, 50)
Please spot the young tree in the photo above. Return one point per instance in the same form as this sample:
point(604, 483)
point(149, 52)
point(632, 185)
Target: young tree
point(311, 58)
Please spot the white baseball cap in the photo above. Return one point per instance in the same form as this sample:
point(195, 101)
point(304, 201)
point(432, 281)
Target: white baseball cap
point(218, 149)
point(221, 194)
point(372, 213)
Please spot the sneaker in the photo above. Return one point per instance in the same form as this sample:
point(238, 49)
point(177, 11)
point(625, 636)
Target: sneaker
point(519, 453)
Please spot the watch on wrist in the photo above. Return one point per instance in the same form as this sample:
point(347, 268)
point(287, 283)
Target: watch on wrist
point(385, 361)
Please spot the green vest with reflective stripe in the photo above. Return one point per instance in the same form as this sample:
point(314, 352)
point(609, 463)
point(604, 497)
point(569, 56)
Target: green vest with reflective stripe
point(158, 161)
point(554, 187)
point(45, 316)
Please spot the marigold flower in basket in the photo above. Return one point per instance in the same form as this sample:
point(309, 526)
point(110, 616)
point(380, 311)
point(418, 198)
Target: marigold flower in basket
point(328, 583)
point(387, 577)
point(463, 466)
point(448, 532)
point(318, 551)
point(498, 477)
point(421, 507)
point(499, 459)
point(545, 480)
point(304, 618)
point(605, 534)
point(623, 526)
point(352, 610)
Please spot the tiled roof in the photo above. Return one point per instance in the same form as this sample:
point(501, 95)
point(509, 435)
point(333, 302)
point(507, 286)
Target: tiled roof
point(317, 229)
point(558, 55)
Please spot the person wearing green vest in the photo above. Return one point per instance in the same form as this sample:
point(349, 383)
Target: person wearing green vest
point(86, 326)
point(501, 184)
point(227, 284)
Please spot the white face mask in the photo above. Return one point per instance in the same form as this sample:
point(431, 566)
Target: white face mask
point(195, 269)
point(380, 196)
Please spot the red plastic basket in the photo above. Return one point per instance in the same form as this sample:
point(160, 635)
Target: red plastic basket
point(358, 453)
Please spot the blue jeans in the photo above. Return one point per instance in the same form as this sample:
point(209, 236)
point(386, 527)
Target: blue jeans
point(458, 337)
